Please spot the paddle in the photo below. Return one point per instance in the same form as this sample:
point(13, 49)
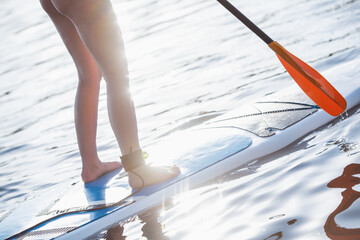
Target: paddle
point(309, 80)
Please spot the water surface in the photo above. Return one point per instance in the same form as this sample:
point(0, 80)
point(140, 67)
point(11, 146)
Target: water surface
point(189, 61)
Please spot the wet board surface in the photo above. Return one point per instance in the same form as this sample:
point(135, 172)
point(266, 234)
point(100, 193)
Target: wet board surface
point(202, 153)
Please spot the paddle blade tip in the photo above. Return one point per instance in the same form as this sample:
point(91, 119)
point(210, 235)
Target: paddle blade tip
point(311, 82)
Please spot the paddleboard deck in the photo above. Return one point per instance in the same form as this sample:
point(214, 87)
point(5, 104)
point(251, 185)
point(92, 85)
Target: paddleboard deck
point(202, 153)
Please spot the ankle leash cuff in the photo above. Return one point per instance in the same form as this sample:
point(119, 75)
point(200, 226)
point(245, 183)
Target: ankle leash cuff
point(133, 160)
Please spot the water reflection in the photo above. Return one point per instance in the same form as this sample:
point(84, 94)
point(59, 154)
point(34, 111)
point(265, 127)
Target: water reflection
point(115, 233)
point(347, 180)
point(151, 230)
point(275, 236)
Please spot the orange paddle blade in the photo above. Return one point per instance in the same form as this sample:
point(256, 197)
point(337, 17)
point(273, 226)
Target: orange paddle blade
point(311, 82)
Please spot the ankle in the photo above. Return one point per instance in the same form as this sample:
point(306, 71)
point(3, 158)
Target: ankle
point(133, 160)
point(91, 163)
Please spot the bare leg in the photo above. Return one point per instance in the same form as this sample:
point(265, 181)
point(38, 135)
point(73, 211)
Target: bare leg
point(86, 102)
point(97, 27)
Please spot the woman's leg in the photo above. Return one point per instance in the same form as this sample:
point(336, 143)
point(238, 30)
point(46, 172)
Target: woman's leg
point(97, 26)
point(86, 102)
point(98, 29)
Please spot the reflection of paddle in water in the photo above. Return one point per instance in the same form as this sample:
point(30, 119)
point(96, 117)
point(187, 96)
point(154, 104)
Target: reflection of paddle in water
point(346, 180)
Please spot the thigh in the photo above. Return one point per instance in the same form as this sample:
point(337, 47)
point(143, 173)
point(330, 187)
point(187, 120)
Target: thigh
point(83, 10)
point(84, 61)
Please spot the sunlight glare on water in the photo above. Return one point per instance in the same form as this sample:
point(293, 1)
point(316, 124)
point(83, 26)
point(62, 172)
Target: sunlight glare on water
point(189, 61)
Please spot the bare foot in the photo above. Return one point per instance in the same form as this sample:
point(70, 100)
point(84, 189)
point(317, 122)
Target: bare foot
point(93, 172)
point(151, 175)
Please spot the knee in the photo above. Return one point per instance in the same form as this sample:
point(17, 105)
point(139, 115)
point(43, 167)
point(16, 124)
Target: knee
point(90, 77)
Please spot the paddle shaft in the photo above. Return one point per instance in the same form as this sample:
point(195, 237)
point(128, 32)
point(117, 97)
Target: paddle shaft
point(246, 21)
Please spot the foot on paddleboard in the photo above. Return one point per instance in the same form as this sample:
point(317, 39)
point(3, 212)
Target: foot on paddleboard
point(93, 172)
point(141, 175)
point(146, 175)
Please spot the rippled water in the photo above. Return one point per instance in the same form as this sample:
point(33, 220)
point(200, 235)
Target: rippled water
point(189, 61)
